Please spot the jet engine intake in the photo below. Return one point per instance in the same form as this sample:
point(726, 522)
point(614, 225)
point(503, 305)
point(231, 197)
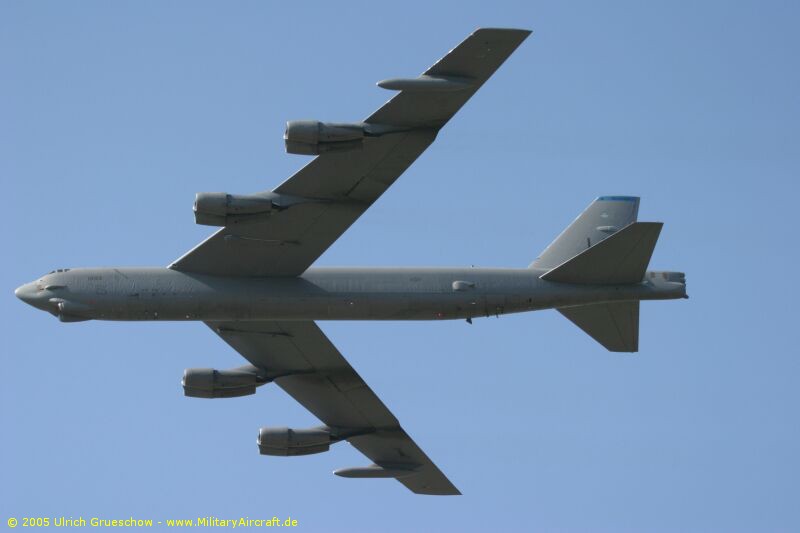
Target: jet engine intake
point(310, 137)
point(287, 442)
point(211, 383)
point(222, 209)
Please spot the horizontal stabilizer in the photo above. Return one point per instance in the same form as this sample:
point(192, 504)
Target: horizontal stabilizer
point(614, 325)
point(621, 258)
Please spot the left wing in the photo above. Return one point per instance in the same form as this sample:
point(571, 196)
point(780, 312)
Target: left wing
point(302, 361)
point(337, 187)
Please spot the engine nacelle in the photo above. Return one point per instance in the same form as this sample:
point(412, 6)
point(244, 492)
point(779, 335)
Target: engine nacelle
point(222, 209)
point(211, 383)
point(287, 441)
point(310, 137)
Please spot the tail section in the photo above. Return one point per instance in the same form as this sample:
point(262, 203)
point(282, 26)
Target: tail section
point(604, 217)
point(605, 245)
point(614, 325)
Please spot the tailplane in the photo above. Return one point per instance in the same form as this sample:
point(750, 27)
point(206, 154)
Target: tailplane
point(615, 325)
point(621, 258)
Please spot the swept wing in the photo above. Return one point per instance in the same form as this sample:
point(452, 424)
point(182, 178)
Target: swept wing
point(304, 363)
point(342, 185)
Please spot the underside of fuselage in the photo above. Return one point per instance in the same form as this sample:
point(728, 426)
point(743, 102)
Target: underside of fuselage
point(321, 294)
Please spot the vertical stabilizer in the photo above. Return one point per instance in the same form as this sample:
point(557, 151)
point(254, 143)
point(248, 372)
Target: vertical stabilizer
point(604, 217)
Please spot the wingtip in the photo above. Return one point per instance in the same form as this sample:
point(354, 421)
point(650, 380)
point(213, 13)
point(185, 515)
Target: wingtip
point(452, 491)
point(494, 28)
point(521, 32)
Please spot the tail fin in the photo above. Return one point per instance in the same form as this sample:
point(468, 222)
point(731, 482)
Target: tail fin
point(621, 258)
point(604, 217)
point(614, 325)
point(604, 245)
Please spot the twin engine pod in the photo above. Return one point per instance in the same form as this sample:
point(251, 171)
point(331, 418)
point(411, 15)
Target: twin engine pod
point(222, 209)
point(310, 137)
point(211, 383)
point(288, 442)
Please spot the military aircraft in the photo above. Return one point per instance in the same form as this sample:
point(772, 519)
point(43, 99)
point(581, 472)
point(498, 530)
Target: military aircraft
point(252, 281)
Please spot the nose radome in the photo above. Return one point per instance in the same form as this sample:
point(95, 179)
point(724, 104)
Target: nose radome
point(23, 292)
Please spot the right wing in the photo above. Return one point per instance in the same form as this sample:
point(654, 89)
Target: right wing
point(343, 185)
point(310, 368)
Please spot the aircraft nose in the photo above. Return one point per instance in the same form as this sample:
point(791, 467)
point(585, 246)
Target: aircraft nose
point(26, 293)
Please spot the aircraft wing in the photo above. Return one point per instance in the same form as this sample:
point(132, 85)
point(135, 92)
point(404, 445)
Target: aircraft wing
point(344, 184)
point(308, 366)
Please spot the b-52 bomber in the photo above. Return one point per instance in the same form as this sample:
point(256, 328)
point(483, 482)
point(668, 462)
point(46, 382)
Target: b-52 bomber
point(253, 284)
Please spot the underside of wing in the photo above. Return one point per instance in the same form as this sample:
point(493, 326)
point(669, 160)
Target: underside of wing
point(303, 216)
point(339, 188)
point(470, 63)
point(300, 359)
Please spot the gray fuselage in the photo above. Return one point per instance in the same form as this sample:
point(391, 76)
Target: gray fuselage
point(160, 293)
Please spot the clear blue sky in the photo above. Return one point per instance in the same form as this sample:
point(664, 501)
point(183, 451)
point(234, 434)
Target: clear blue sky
point(112, 116)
